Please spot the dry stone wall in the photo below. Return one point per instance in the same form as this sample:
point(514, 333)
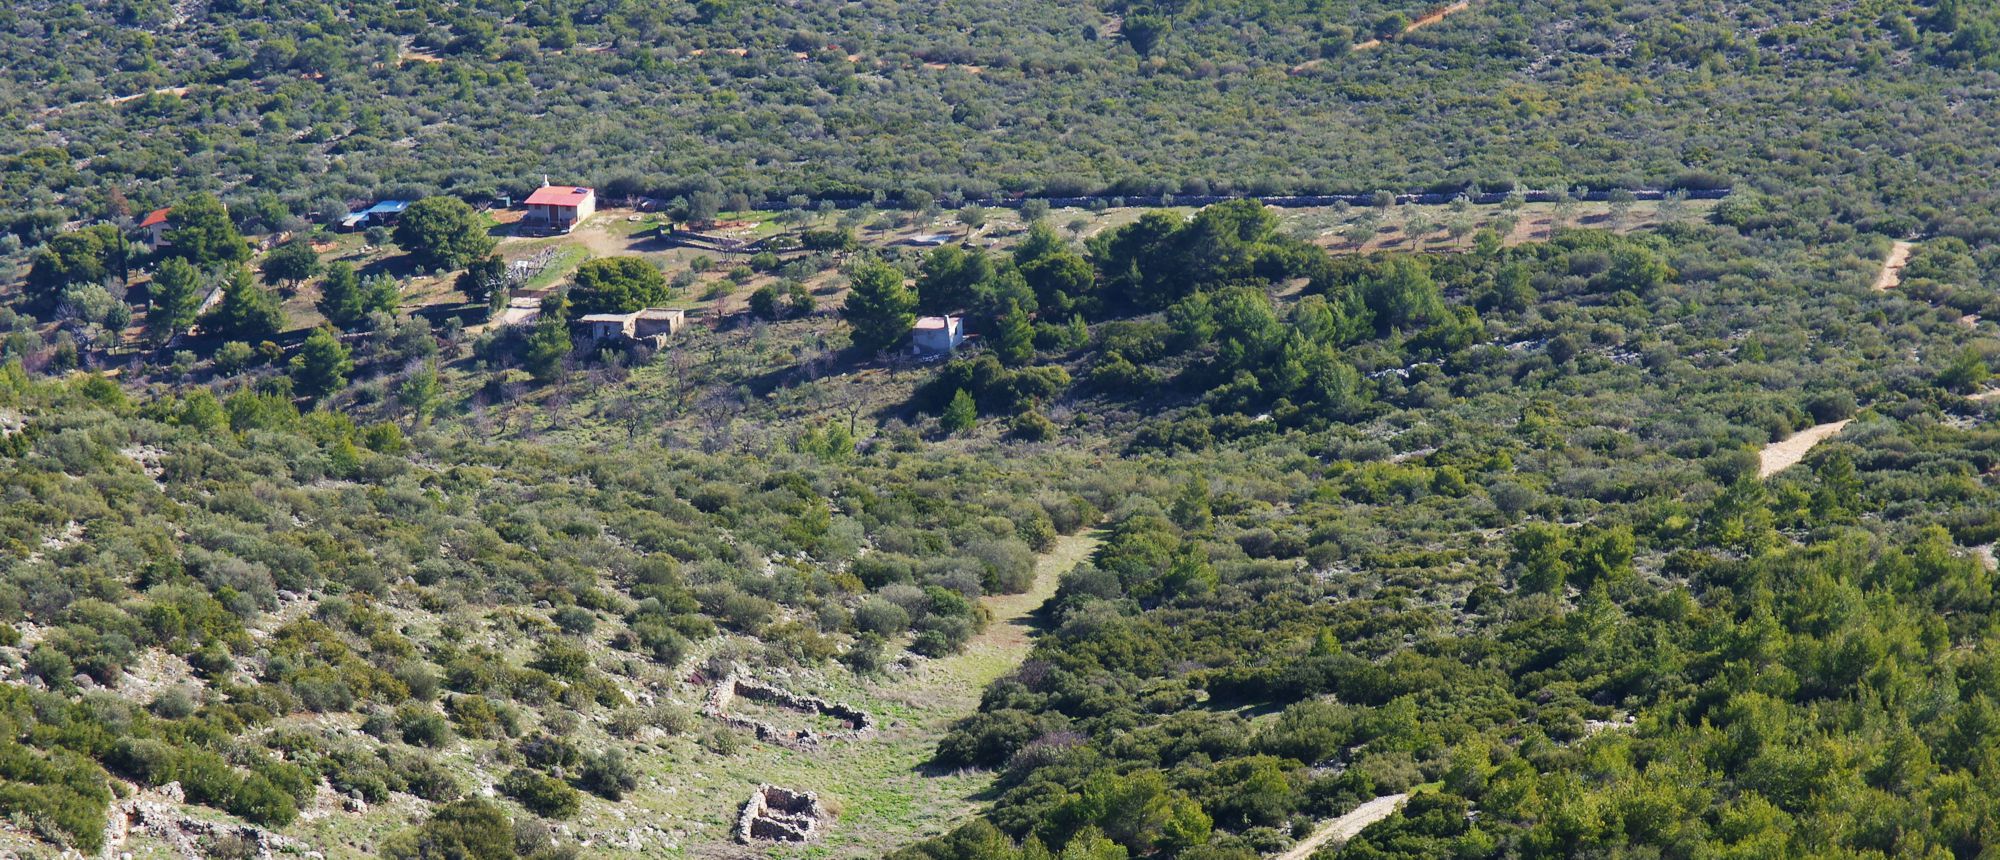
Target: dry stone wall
point(735, 686)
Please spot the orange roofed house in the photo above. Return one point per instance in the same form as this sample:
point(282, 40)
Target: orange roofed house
point(558, 208)
point(154, 225)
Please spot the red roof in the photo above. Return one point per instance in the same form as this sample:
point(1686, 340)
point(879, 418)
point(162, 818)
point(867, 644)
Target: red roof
point(558, 195)
point(157, 216)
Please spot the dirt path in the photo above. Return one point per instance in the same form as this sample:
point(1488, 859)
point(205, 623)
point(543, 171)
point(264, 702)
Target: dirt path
point(888, 794)
point(1428, 19)
point(1011, 627)
point(169, 91)
point(1787, 452)
point(1346, 827)
point(1892, 268)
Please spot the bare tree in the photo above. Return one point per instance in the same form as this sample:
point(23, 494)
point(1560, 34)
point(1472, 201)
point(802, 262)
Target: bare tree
point(1673, 207)
point(1621, 208)
point(1565, 208)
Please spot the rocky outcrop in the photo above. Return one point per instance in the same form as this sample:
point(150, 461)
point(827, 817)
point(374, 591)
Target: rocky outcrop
point(734, 686)
point(774, 814)
point(157, 814)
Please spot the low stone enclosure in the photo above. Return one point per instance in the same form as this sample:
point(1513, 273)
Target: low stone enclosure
point(733, 686)
point(774, 814)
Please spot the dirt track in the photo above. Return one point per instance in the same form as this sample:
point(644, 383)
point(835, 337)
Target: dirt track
point(1787, 452)
point(1346, 827)
point(1428, 19)
point(1009, 631)
point(1425, 21)
point(1892, 268)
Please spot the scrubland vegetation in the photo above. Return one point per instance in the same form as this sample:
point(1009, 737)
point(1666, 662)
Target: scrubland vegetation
point(1225, 520)
point(296, 108)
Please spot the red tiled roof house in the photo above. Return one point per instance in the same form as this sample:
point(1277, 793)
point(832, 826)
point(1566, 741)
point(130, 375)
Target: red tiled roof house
point(558, 208)
point(154, 225)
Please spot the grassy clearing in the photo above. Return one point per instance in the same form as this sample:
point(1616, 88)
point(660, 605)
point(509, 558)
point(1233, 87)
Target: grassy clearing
point(565, 262)
point(878, 786)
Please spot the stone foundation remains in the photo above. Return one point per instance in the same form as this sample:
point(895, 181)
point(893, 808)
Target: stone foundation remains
point(774, 814)
point(859, 724)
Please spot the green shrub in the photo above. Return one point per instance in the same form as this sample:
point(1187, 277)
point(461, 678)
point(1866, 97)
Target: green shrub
point(543, 795)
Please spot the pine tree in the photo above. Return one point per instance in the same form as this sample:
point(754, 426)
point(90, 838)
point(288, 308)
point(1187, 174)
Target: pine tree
point(443, 233)
point(91, 255)
point(961, 415)
point(346, 299)
point(549, 345)
point(379, 293)
point(879, 307)
point(201, 233)
point(291, 263)
point(338, 292)
point(176, 299)
point(1015, 341)
point(483, 278)
point(618, 285)
point(322, 365)
point(246, 312)
point(421, 392)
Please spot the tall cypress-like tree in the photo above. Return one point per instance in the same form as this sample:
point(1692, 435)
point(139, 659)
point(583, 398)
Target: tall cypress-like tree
point(879, 306)
point(1014, 343)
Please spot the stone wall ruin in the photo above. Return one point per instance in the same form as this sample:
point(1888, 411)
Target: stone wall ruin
point(733, 686)
point(775, 814)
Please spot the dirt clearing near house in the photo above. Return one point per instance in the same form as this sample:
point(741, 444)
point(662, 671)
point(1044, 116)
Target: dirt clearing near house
point(1787, 452)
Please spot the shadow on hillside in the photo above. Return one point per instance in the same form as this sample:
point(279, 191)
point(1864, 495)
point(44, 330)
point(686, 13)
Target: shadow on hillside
point(398, 265)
